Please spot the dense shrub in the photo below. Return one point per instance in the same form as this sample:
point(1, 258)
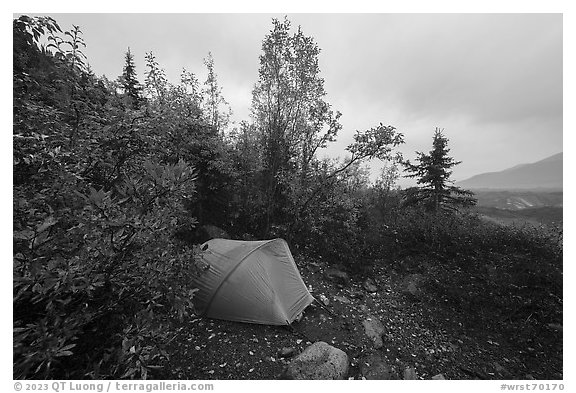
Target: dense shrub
point(499, 271)
point(467, 234)
point(97, 270)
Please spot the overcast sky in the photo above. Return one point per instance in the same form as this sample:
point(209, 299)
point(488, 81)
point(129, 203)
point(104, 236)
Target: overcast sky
point(492, 81)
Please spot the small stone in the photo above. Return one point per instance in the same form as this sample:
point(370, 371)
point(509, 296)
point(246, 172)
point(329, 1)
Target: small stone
point(411, 286)
point(439, 377)
point(555, 326)
point(357, 294)
point(313, 266)
point(500, 369)
point(342, 299)
point(375, 367)
point(287, 352)
point(374, 330)
point(410, 373)
point(337, 276)
point(370, 286)
point(324, 300)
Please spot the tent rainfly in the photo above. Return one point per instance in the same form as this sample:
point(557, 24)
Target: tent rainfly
point(250, 281)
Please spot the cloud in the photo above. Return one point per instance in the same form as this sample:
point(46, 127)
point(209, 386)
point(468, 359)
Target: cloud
point(493, 68)
point(493, 81)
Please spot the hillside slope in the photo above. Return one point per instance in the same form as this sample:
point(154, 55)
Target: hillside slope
point(546, 173)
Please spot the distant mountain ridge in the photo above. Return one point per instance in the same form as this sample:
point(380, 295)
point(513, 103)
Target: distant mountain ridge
point(543, 174)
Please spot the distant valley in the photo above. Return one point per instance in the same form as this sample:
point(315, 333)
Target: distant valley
point(524, 194)
point(518, 200)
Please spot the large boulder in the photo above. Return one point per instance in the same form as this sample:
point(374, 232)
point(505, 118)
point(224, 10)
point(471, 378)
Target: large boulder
point(374, 330)
point(319, 361)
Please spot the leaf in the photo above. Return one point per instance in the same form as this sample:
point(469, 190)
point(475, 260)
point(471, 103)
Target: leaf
point(67, 347)
point(24, 235)
point(50, 221)
point(131, 371)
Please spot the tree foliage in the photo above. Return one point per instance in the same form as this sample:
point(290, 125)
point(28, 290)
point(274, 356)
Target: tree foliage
point(98, 197)
point(436, 191)
point(215, 106)
point(294, 121)
point(129, 81)
point(290, 111)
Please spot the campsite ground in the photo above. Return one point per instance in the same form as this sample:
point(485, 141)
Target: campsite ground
point(429, 331)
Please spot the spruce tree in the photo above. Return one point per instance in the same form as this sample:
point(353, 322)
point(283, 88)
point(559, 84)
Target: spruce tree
point(129, 81)
point(435, 191)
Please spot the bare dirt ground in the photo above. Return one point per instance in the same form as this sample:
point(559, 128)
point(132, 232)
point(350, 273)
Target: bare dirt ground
point(431, 333)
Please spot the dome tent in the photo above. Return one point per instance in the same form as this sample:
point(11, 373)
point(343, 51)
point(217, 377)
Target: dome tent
point(250, 281)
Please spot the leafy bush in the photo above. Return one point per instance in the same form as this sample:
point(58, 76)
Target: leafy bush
point(480, 267)
point(97, 269)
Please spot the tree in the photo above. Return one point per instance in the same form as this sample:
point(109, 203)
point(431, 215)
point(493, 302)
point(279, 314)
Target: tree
point(290, 111)
point(436, 191)
point(376, 143)
point(129, 81)
point(217, 110)
point(156, 81)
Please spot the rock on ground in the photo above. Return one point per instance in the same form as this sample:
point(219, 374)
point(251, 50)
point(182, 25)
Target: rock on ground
point(287, 352)
point(342, 299)
point(319, 361)
point(324, 300)
point(375, 367)
point(337, 276)
point(410, 373)
point(374, 330)
point(439, 377)
point(369, 285)
point(357, 294)
point(411, 285)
